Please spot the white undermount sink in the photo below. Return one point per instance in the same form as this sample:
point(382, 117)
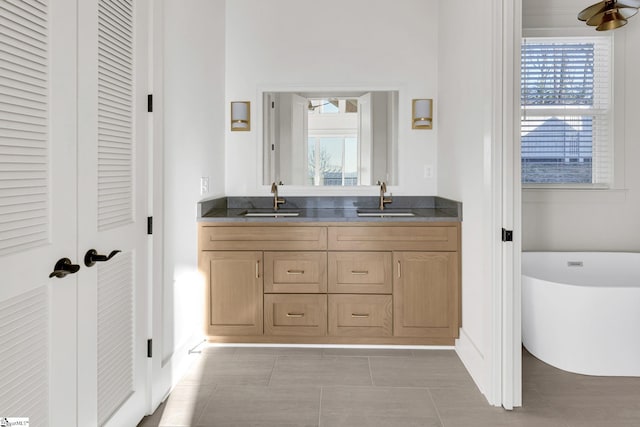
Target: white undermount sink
point(271, 214)
point(385, 213)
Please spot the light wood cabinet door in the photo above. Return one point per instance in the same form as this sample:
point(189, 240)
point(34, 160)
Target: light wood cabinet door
point(425, 292)
point(295, 272)
point(360, 315)
point(359, 272)
point(235, 292)
point(295, 315)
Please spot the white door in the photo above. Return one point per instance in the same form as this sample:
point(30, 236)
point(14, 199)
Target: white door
point(56, 368)
point(37, 210)
point(112, 211)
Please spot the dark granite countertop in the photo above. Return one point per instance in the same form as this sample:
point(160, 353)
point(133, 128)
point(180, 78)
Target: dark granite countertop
point(330, 209)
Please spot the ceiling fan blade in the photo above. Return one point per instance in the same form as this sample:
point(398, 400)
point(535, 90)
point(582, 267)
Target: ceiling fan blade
point(593, 10)
point(625, 13)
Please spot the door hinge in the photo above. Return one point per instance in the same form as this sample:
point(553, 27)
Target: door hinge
point(149, 347)
point(150, 103)
point(507, 235)
point(149, 225)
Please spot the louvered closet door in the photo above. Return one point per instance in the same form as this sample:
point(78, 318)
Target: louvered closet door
point(37, 210)
point(112, 211)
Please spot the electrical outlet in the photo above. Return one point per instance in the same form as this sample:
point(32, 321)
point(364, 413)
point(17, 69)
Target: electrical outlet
point(204, 185)
point(428, 171)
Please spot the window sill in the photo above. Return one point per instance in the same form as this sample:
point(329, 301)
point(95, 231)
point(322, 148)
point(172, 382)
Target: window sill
point(581, 187)
point(572, 194)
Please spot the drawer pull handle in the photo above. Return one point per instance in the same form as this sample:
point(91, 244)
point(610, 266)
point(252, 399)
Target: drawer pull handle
point(399, 270)
point(295, 271)
point(360, 272)
point(359, 315)
point(295, 314)
point(257, 269)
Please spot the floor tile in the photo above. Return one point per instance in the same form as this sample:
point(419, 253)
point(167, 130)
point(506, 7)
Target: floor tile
point(212, 370)
point(246, 353)
point(262, 406)
point(220, 352)
point(440, 371)
point(321, 372)
point(467, 407)
point(603, 411)
point(152, 420)
point(367, 352)
point(438, 356)
point(377, 406)
point(184, 406)
point(370, 421)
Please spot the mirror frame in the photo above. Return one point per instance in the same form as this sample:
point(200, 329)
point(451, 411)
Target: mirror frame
point(307, 91)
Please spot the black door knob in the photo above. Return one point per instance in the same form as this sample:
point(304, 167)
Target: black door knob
point(63, 267)
point(92, 256)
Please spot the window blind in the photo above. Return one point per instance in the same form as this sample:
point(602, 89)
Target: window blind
point(566, 99)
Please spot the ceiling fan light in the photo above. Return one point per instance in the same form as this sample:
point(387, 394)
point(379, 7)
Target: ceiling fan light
point(611, 20)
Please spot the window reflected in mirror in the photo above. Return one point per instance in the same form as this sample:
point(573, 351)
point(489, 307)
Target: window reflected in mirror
point(334, 139)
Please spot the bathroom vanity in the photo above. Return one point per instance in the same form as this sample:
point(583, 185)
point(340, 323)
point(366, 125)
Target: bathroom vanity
point(331, 270)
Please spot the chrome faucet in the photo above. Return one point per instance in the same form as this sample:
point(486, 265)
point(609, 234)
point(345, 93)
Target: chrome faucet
point(276, 200)
point(383, 200)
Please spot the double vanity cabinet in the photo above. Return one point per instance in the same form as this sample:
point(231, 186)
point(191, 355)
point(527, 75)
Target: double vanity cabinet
point(360, 282)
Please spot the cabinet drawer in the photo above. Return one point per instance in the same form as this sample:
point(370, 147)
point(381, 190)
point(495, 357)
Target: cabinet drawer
point(395, 238)
point(295, 272)
point(241, 238)
point(295, 315)
point(360, 315)
point(360, 272)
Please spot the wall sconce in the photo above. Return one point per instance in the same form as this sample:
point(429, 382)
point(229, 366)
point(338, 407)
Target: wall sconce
point(422, 114)
point(241, 116)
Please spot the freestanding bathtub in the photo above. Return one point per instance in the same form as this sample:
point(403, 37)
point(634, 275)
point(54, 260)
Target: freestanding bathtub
point(581, 311)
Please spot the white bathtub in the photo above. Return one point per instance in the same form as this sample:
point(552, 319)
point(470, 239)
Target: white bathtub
point(581, 311)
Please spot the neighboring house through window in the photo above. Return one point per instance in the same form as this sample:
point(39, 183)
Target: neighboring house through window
point(566, 110)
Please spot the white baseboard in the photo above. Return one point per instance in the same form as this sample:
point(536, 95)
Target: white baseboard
point(473, 360)
point(182, 358)
point(174, 367)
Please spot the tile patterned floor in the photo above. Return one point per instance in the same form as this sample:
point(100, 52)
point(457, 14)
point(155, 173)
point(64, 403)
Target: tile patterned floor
point(283, 387)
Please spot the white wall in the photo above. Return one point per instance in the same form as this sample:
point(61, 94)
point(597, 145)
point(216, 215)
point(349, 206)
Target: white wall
point(592, 220)
point(192, 95)
point(333, 44)
point(464, 159)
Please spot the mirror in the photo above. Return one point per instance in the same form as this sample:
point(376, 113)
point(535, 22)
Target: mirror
point(337, 138)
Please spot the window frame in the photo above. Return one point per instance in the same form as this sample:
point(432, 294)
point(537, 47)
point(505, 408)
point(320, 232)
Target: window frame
point(605, 113)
